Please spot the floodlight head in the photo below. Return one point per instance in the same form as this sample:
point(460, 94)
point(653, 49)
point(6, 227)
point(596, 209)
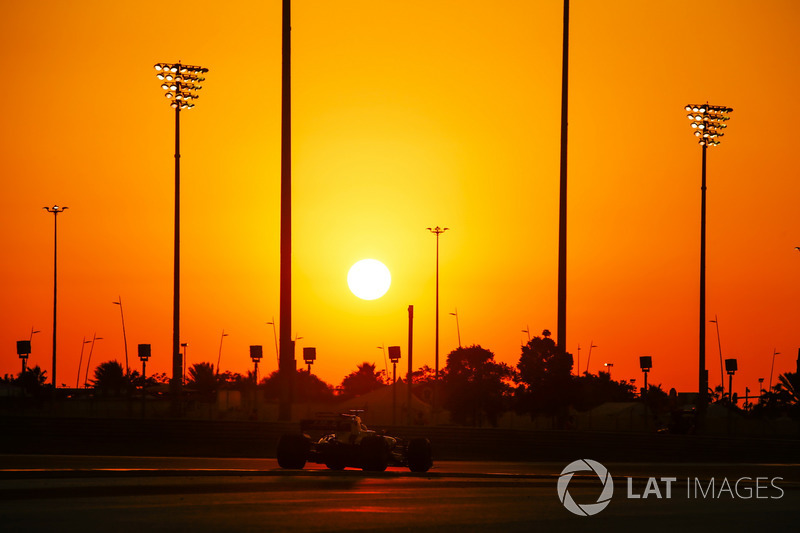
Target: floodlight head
point(709, 119)
point(180, 85)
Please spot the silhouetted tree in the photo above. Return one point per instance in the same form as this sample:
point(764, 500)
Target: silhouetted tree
point(475, 385)
point(204, 380)
point(590, 390)
point(790, 383)
point(110, 379)
point(365, 379)
point(306, 386)
point(781, 399)
point(424, 374)
point(32, 381)
point(546, 372)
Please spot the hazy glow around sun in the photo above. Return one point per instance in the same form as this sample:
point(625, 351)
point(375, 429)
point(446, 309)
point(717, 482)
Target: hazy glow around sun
point(369, 279)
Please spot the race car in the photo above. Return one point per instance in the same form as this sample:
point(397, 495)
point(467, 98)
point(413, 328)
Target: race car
point(346, 442)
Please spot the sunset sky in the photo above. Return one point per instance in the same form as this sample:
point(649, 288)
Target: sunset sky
point(406, 115)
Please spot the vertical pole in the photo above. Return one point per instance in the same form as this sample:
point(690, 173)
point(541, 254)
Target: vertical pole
point(719, 344)
point(730, 387)
point(55, 291)
point(409, 377)
point(702, 375)
point(176, 385)
point(124, 335)
point(394, 394)
point(561, 334)
point(436, 379)
point(286, 365)
point(89, 362)
point(144, 384)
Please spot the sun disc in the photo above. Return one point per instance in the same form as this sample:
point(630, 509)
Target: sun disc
point(369, 279)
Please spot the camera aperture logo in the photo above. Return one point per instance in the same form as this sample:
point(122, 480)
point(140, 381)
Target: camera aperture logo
point(585, 465)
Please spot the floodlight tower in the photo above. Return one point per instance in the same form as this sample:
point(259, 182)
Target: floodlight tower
point(181, 83)
point(436, 231)
point(708, 123)
point(55, 210)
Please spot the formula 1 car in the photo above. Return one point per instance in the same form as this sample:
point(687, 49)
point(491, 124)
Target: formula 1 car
point(346, 442)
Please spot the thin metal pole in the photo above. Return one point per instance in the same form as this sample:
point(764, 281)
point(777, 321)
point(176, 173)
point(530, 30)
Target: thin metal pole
point(561, 334)
point(702, 375)
point(176, 384)
point(55, 291)
point(219, 357)
point(89, 361)
point(394, 393)
point(458, 328)
point(144, 385)
point(772, 368)
point(80, 363)
point(124, 336)
point(730, 387)
point(409, 376)
point(436, 380)
point(719, 344)
point(275, 338)
point(287, 361)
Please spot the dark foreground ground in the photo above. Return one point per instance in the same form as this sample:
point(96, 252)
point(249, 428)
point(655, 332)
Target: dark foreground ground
point(88, 493)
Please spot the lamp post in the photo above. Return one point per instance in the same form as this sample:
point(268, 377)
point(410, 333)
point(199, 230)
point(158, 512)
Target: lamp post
point(55, 210)
point(275, 336)
point(394, 356)
point(80, 362)
point(731, 366)
point(256, 352)
point(181, 83)
point(24, 350)
point(609, 366)
point(144, 355)
point(436, 231)
point(89, 360)
point(219, 357)
point(527, 330)
point(309, 356)
point(708, 123)
point(760, 389)
point(24, 355)
point(124, 336)
point(458, 328)
point(645, 363)
point(772, 369)
point(382, 347)
point(719, 344)
point(589, 357)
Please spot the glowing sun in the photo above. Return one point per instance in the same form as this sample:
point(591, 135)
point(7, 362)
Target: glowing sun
point(369, 279)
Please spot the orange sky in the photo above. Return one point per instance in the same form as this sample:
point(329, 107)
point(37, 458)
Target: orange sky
point(406, 114)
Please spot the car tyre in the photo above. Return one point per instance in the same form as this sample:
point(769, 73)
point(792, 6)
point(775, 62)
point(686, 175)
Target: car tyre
point(293, 451)
point(419, 455)
point(336, 458)
point(374, 454)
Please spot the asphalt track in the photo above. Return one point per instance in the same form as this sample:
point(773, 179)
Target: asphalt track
point(88, 493)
